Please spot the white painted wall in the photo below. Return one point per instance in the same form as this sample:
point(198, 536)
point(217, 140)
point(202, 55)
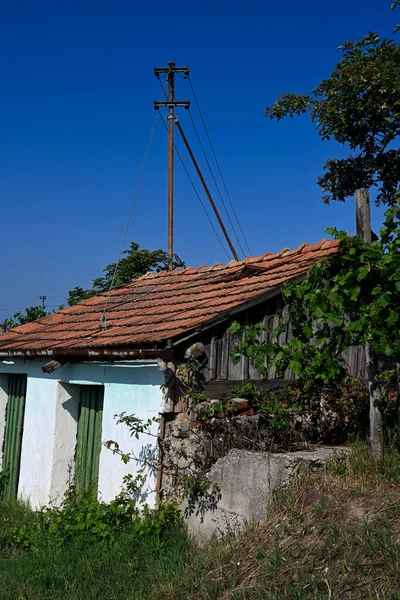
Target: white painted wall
point(49, 437)
point(64, 444)
point(37, 440)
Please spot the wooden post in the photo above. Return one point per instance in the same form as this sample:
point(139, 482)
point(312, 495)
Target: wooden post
point(363, 216)
point(363, 228)
point(171, 103)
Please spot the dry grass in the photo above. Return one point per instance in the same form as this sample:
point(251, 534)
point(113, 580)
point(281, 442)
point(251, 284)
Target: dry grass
point(332, 535)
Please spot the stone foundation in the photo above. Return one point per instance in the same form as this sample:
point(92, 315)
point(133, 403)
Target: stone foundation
point(246, 479)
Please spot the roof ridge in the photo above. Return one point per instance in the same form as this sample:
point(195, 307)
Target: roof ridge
point(218, 265)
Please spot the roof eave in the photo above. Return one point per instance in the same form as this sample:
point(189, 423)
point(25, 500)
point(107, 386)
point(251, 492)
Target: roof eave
point(94, 353)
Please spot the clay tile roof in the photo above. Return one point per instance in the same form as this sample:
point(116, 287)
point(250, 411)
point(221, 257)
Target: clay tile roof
point(162, 306)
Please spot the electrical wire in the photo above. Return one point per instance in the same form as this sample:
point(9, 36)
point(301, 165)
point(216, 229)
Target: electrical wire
point(215, 182)
point(191, 181)
point(198, 195)
point(218, 165)
point(103, 317)
point(26, 298)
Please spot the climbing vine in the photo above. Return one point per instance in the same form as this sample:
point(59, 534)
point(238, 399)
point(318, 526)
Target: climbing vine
point(193, 381)
point(349, 300)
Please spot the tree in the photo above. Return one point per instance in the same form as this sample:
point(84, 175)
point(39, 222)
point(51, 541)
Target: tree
point(31, 314)
point(358, 106)
point(136, 262)
point(394, 5)
point(77, 294)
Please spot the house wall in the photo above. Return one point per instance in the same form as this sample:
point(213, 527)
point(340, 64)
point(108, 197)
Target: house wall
point(50, 424)
point(220, 372)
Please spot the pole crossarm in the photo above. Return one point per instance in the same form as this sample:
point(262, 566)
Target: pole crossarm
point(166, 70)
point(184, 103)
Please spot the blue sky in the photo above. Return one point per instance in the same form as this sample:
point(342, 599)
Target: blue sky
point(76, 110)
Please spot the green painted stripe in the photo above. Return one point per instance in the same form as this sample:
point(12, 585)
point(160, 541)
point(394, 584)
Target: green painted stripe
point(97, 435)
point(89, 436)
point(13, 432)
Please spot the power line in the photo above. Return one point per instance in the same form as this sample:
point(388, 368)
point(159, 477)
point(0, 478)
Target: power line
point(209, 166)
point(26, 298)
point(207, 191)
point(217, 163)
point(17, 309)
point(103, 318)
point(215, 182)
point(198, 195)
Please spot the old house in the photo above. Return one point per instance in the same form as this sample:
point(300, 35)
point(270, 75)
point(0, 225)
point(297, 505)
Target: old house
point(65, 377)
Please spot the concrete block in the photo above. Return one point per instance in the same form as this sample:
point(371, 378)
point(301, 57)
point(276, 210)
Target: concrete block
point(247, 481)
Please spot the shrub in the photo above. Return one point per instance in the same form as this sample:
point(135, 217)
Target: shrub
point(82, 518)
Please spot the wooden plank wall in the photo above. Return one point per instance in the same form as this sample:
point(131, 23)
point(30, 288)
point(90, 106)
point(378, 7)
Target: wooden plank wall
point(219, 345)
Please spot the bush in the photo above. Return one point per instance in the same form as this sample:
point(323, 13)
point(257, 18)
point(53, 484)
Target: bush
point(81, 518)
point(338, 414)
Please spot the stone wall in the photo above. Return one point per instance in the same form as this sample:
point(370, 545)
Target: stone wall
point(246, 479)
point(185, 452)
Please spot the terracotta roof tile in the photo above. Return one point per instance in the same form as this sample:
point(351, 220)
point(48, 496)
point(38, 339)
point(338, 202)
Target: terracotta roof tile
point(161, 306)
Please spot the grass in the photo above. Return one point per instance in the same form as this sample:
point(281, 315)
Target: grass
point(330, 535)
point(130, 568)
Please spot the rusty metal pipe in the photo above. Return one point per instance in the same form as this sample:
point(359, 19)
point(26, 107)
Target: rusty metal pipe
point(95, 353)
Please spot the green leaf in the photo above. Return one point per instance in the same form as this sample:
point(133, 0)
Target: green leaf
point(337, 321)
point(393, 317)
point(383, 301)
point(276, 332)
point(295, 366)
point(388, 350)
point(318, 312)
point(295, 343)
point(354, 293)
point(250, 351)
point(362, 273)
point(260, 363)
point(235, 327)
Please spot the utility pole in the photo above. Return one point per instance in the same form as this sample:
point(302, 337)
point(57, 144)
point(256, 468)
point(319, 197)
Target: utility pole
point(171, 103)
point(363, 229)
point(363, 216)
point(43, 298)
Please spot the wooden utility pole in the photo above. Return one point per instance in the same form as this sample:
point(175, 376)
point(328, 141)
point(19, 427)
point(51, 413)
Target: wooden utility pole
point(363, 228)
point(363, 216)
point(169, 73)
